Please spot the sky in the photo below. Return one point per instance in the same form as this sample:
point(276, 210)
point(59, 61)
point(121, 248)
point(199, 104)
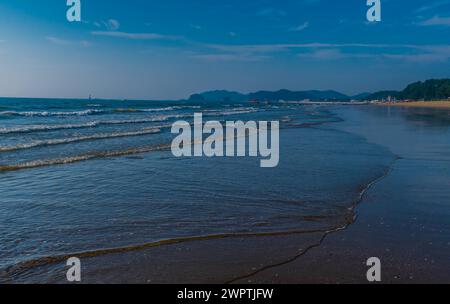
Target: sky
point(154, 49)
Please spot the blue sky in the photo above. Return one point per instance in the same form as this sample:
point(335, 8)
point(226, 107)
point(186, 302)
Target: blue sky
point(148, 49)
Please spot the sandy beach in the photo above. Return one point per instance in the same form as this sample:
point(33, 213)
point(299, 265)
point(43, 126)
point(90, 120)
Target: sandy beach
point(442, 104)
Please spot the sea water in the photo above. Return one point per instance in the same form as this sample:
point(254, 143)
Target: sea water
point(85, 175)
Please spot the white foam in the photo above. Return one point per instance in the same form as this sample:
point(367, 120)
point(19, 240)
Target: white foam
point(47, 113)
point(60, 141)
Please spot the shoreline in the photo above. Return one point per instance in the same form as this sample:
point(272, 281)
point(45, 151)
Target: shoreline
point(400, 221)
point(213, 259)
point(406, 229)
point(443, 104)
point(114, 257)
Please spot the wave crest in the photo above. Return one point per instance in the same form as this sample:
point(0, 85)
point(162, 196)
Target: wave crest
point(61, 141)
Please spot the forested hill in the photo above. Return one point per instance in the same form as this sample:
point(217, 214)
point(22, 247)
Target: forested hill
point(432, 89)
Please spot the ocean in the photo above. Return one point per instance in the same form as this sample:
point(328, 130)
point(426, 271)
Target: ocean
point(92, 177)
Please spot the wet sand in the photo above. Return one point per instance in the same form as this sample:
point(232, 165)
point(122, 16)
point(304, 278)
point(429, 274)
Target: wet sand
point(392, 226)
point(388, 226)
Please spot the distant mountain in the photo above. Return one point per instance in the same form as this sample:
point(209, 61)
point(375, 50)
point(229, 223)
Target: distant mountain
point(286, 95)
point(361, 96)
point(297, 95)
point(218, 95)
point(383, 95)
point(427, 90)
point(430, 89)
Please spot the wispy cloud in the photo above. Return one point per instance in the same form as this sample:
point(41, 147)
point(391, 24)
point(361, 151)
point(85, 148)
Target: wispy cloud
point(300, 28)
point(419, 58)
point(413, 58)
point(110, 25)
point(229, 57)
point(196, 27)
point(113, 24)
point(333, 51)
point(436, 20)
point(323, 54)
point(432, 6)
point(429, 53)
point(134, 36)
point(65, 42)
point(270, 48)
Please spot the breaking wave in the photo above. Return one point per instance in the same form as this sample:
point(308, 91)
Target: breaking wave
point(82, 157)
point(51, 142)
point(47, 113)
point(91, 111)
point(93, 124)
point(174, 108)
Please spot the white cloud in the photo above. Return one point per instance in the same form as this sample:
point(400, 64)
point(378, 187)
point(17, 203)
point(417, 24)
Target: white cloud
point(300, 27)
point(229, 57)
point(323, 54)
point(65, 42)
point(436, 20)
point(331, 51)
point(113, 24)
point(420, 58)
point(110, 25)
point(196, 27)
point(432, 6)
point(132, 36)
point(426, 53)
point(270, 48)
